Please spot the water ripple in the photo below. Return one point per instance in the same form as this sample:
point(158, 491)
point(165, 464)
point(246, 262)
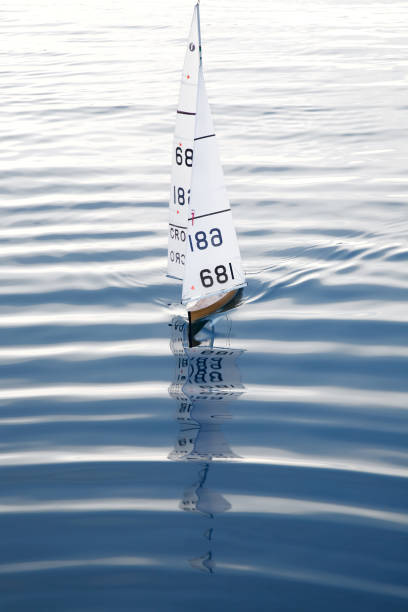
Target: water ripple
point(314, 153)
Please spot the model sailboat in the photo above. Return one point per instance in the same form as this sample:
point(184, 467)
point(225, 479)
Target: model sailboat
point(203, 250)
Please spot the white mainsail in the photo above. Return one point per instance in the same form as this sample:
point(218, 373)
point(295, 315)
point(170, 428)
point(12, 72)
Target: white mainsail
point(213, 260)
point(182, 159)
point(203, 247)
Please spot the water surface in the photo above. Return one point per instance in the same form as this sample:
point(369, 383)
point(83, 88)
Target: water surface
point(309, 508)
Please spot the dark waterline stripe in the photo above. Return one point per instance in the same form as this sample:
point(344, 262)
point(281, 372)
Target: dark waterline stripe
point(201, 137)
point(218, 212)
point(179, 112)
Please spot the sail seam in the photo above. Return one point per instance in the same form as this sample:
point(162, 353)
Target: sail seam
point(201, 137)
point(217, 212)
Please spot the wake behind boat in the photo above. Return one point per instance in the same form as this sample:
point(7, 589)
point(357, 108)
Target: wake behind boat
point(203, 251)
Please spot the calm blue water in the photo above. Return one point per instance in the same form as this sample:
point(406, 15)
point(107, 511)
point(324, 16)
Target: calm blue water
point(295, 491)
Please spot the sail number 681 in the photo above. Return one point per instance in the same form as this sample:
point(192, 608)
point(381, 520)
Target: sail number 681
point(220, 275)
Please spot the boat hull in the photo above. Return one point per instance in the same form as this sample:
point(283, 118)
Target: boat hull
point(204, 309)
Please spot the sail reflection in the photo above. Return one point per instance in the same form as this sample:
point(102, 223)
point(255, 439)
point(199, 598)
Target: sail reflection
point(206, 381)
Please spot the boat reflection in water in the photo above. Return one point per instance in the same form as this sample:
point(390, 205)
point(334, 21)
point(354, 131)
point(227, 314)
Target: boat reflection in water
point(206, 380)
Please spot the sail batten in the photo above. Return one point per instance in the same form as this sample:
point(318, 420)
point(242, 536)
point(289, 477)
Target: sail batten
point(201, 137)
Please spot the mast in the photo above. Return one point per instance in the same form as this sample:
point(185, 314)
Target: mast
point(199, 32)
